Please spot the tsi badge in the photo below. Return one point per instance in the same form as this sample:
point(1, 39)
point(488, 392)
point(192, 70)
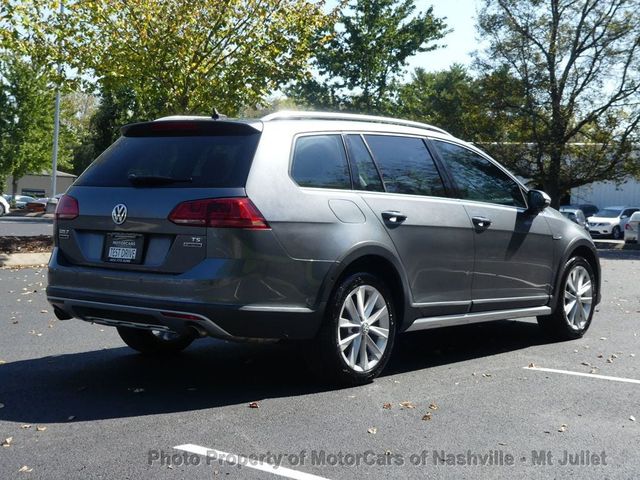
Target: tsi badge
point(119, 214)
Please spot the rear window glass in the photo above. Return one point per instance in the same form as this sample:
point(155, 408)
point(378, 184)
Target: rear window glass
point(320, 161)
point(196, 161)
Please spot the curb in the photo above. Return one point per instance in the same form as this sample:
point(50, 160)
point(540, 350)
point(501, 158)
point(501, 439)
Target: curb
point(24, 259)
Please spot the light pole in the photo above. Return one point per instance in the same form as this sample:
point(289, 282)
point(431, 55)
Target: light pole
point(56, 127)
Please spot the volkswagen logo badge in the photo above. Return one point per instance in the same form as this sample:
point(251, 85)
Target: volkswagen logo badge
point(119, 214)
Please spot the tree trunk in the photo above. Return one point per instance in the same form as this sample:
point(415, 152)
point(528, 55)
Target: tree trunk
point(14, 189)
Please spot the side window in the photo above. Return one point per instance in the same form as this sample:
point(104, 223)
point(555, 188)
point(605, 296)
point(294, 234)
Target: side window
point(365, 173)
point(320, 161)
point(406, 165)
point(629, 212)
point(479, 179)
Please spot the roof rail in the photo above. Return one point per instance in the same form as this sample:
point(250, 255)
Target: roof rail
point(292, 114)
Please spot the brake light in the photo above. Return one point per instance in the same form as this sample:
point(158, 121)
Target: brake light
point(237, 212)
point(67, 208)
point(628, 227)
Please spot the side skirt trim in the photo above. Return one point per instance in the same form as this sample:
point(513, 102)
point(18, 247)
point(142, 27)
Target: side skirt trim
point(469, 318)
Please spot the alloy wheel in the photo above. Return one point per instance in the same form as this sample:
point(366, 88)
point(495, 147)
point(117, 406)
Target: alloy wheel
point(578, 297)
point(363, 328)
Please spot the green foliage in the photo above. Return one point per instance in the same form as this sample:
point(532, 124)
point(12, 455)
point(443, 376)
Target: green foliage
point(187, 57)
point(367, 54)
point(26, 117)
point(578, 64)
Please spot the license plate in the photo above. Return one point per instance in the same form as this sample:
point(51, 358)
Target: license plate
point(123, 248)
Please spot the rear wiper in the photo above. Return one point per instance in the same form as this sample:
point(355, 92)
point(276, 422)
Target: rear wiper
point(156, 180)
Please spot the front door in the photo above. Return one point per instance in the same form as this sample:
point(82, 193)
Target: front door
point(514, 253)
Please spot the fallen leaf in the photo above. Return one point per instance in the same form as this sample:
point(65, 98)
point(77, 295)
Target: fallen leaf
point(563, 427)
point(632, 354)
point(7, 442)
point(40, 429)
point(613, 355)
point(25, 469)
point(386, 406)
point(44, 311)
point(486, 374)
point(532, 365)
point(372, 430)
point(25, 426)
point(586, 364)
point(609, 360)
point(426, 416)
point(433, 406)
point(593, 370)
point(407, 404)
point(600, 355)
point(254, 405)
point(632, 418)
point(603, 338)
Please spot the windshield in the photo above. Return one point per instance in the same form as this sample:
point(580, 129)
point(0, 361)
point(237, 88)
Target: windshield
point(609, 213)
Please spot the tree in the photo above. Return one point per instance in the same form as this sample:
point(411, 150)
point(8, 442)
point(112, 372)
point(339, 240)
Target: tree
point(189, 57)
point(578, 64)
point(367, 54)
point(26, 118)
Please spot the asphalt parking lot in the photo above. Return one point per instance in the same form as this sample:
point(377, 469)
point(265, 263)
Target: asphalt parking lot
point(454, 403)
point(25, 226)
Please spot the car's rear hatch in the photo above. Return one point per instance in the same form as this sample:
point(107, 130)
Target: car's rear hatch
point(127, 211)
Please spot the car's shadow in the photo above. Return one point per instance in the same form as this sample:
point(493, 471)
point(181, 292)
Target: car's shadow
point(118, 383)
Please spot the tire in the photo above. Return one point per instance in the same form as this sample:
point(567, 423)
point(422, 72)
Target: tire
point(616, 233)
point(354, 362)
point(154, 342)
point(2, 212)
point(569, 322)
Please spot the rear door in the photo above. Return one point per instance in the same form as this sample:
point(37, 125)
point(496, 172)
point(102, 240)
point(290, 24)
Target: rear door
point(514, 254)
point(127, 195)
point(430, 231)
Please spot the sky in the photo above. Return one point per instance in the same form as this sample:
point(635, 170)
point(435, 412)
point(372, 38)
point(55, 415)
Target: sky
point(459, 44)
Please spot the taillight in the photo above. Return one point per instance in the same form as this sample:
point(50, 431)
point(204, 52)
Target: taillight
point(628, 227)
point(220, 213)
point(67, 208)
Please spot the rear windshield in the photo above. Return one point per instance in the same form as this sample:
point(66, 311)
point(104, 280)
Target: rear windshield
point(192, 161)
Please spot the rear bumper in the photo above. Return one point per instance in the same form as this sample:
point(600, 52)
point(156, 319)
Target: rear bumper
point(220, 321)
point(221, 298)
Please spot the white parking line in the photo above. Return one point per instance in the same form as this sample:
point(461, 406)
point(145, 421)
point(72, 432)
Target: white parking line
point(580, 374)
point(233, 459)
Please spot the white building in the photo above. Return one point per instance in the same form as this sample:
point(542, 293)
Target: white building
point(605, 194)
point(39, 184)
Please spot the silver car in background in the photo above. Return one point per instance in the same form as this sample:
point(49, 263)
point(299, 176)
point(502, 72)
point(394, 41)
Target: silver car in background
point(632, 228)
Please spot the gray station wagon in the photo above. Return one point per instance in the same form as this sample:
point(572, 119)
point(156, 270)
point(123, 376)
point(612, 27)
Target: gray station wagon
point(341, 229)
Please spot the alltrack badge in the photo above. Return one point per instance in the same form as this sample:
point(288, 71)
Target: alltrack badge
point(119, 214)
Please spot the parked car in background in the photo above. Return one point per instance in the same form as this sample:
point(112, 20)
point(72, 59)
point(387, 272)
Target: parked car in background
point(37, 206)
point(575, 215)
point(367, 227)
point(52, 203)
point(588, 209)
point(20, 200)
point(632, 228)
point(610, 221)
point(4, 205)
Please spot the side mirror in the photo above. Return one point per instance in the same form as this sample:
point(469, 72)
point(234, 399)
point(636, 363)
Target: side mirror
point(537, 200)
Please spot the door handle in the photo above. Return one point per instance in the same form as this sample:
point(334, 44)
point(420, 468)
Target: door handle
point(393, 216)
point(481, 223)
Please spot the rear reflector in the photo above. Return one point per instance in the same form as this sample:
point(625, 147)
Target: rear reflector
point(183, 316)
point(237, 212)
point(67, 208)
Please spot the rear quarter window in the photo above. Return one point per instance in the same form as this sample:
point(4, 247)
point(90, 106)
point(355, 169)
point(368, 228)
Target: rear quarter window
point(207, 161)
point(320, 161)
